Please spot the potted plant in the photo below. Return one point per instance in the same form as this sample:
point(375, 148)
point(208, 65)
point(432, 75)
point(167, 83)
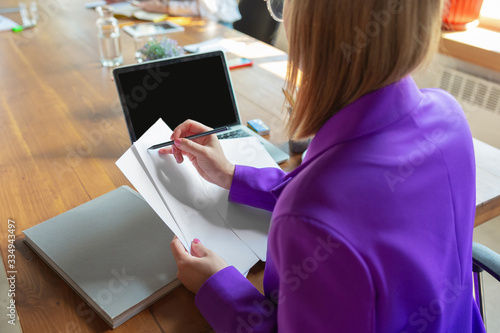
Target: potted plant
point(154, 49)
point(459, 13)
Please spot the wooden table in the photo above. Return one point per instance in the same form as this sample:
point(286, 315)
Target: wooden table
point(61, 131)
point(487, 182)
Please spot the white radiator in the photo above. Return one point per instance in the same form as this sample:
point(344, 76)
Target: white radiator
point(479, 97)
point(471, 91)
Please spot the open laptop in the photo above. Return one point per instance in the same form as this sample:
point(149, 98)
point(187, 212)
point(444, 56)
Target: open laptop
point(194, 87)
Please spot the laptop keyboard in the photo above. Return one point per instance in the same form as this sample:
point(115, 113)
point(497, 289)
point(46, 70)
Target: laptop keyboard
point(233, 134)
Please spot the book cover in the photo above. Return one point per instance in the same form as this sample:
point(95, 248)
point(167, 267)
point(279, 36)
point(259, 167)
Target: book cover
point(114, 251)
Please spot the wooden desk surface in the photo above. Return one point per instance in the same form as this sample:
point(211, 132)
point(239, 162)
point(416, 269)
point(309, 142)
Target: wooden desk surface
point(61, 131)
point(487, 182)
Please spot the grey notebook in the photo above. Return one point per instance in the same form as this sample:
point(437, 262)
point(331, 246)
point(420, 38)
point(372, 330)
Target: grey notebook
point(113, 251)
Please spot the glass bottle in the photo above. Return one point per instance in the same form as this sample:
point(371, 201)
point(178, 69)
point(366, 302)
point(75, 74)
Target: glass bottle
point(109, 37)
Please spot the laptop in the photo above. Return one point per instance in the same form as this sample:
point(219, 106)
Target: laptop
point(194, 87)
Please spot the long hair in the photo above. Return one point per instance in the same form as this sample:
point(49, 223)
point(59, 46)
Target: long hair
point(340, 50)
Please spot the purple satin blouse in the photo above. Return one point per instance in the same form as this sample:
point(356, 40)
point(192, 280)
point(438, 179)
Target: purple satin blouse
point(371, 233)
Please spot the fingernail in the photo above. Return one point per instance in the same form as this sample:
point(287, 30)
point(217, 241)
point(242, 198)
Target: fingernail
point(177, 142)
point(196, 241)
point(177, 158)
point(162, 151)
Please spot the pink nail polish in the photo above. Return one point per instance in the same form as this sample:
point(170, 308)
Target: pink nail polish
point(177, 142)
point(196, 241)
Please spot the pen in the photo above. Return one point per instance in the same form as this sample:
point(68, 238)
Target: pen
point(199, 135)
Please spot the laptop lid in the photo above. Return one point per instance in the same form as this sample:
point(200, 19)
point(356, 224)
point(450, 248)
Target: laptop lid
point(194, 87)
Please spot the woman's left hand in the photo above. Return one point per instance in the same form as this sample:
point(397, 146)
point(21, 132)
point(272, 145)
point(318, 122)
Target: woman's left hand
point(195, 268)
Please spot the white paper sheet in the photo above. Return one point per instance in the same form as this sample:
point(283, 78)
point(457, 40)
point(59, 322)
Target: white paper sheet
point(249, 223)
point(6, 24)
point(194, 208)
point(134, 171)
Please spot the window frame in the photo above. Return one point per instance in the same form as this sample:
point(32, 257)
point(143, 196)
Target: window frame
point(488, 22)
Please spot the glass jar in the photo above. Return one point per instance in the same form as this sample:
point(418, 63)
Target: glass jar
point(109, 37)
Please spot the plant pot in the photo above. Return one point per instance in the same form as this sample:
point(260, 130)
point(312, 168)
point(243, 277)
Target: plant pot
point(459, 13)
point(150, 48)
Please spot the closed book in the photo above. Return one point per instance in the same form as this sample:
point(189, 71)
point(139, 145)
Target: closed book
point(113, 251)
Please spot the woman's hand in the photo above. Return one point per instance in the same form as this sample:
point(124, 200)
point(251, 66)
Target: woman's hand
point(205, 153)
point(195, 268)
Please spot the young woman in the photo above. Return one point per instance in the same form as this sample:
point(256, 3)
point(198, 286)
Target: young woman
point(373, 231)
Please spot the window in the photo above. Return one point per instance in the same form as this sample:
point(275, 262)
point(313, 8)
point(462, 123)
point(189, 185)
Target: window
point(490, 14)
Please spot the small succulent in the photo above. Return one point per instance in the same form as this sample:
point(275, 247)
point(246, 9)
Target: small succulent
point(165, 48)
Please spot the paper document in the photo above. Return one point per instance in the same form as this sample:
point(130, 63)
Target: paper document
point(216, 44)
point(194, 208)
point(6, 24)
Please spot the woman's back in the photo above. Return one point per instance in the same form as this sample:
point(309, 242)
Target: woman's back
point(391, 180)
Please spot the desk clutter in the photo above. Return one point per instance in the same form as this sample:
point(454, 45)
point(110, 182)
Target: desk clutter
point(114, 250)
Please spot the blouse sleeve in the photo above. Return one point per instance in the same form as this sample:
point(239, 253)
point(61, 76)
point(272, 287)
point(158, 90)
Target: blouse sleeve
point(227, 300)
point(252, 186)
point(323, 285)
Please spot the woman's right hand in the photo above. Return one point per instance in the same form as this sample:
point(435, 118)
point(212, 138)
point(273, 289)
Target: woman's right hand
point(205, 153)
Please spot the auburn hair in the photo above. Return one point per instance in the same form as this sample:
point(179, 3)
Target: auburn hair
point(340, 50)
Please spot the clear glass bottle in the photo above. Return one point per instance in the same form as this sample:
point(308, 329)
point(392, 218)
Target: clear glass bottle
point(109, 37)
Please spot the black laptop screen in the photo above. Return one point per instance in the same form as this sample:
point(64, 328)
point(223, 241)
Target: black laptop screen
point(193, 87)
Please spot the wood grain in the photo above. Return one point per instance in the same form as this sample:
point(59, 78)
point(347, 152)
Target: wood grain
point(61, 131)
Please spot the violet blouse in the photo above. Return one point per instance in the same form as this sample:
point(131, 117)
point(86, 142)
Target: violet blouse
point(371, 233)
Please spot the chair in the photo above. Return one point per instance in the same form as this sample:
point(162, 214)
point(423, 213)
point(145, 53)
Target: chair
point(483, 259)
point(256, 21)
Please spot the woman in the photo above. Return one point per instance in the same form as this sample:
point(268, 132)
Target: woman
point(373, 231)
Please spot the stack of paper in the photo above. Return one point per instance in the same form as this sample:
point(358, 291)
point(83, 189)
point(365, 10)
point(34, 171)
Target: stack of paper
point(194, 208)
